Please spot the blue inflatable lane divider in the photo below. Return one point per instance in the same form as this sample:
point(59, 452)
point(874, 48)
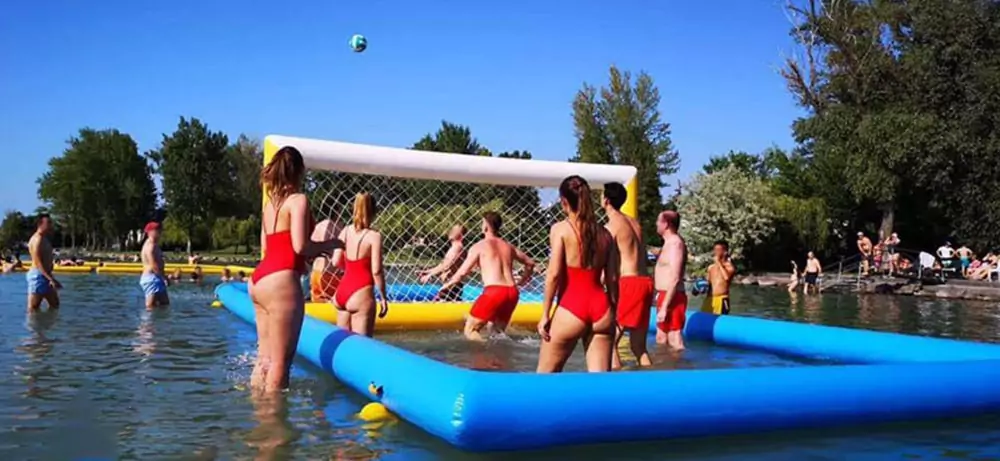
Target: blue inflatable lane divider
point(489, 411)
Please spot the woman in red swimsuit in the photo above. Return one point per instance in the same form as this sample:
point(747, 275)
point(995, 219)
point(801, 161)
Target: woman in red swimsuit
point(275, 289)
point(362, 255)
point(582, 254)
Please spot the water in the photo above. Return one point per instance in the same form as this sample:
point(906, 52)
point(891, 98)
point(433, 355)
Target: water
point(103, 377)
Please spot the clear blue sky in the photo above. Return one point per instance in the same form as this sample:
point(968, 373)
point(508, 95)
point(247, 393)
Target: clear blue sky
point(507, 69)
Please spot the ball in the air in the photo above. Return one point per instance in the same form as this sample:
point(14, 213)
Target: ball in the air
point(358, 43)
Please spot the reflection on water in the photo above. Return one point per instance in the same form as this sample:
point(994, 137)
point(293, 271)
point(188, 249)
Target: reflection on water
point(103, 377)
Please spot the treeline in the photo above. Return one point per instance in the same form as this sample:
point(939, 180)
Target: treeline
point(101, 190)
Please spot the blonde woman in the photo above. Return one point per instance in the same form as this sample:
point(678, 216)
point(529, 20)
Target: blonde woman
point(363, 272)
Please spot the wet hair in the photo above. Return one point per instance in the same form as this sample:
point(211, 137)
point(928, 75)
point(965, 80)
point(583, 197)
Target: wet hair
point(364, 211)
point(241, 274)
point(494, 220)
point(42, 217)
point(283, 175)
point(576, 192)
point(672, 218)
point(616, 194)
point(725, 244)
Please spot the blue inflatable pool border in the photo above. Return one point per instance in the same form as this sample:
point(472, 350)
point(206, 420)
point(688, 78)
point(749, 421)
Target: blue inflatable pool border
point(887, 377)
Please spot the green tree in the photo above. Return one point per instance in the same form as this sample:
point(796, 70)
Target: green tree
point(727, 204)
point(197, 176)
point(100, 186)
point(13, 230)
point(246, 158)
point(622, 124)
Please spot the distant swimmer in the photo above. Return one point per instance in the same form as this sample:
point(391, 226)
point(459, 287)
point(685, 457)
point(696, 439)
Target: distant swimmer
point(153, 280)
point(582, 251)
point(671, 300)
point(363, 271)
point(720, 275)
point(42, 285)
point(635, 286)
point(495, 258)
point(449, 264)
point(813, 272)
point(325, 274)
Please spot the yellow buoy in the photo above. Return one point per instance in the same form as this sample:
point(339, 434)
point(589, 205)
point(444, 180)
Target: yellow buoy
point(216, 304)
point(374, 412)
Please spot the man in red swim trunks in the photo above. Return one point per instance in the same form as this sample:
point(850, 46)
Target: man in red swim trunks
point(671, 300)
point(635, 287)
point(495, 258)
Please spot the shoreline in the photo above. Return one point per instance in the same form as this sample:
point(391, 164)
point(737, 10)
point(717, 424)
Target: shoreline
point(952, 289)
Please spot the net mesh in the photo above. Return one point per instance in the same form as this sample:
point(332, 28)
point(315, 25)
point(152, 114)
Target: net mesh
point(415, 216)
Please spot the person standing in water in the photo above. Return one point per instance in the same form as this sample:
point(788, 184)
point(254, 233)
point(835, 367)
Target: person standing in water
point(720, 275)
point(324, 276)
point(42, 284)
point(153, 281)
point(671, 300)
point(449, 264)
point(275, 289)
point(635, 287)
point(582, 252)
point(363, 271)
point(495, 258)
point(814, 269)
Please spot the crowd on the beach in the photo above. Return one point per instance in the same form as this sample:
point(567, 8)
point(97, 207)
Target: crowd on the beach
point(597, 284)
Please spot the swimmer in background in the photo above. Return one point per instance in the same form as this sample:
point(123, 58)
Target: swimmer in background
point(42, 285)
point(152, 280)
point(671, 300)
point(325, 273)
point(176, 275)
point(720, 276)
point(814, 270)
point(227, 275)
point(197, 275)
point(635, 286)
point(495, 258)
point(793, 281)
point(583, 271)
point(240, 277)
point(449, 264)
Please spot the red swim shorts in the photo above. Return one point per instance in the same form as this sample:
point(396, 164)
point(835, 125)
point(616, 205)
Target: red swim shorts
point(635, 298)
point(496, 304)
point(676, 311)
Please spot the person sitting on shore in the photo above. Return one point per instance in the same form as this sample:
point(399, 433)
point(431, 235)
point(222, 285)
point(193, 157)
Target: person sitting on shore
point(986, 266)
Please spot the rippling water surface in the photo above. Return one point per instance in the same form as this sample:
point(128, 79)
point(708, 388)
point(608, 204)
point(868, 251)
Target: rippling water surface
point(102, 377)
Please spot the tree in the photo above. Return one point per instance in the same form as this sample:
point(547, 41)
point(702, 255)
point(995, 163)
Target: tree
point(727, 204)
point(622, 124)
point(14, 230)
point(197, 176)
point(246, 158)
point(100, 186)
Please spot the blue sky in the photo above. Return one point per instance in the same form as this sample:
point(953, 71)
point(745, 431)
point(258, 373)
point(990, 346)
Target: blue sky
point(507, 69)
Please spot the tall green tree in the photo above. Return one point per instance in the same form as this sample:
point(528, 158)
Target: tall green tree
point(621, 123)
point(246, 158)
point(197, 178)
point(100, 186)
point(13, 230)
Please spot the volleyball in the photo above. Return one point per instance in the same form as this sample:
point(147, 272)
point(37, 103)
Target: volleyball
point(358, 43)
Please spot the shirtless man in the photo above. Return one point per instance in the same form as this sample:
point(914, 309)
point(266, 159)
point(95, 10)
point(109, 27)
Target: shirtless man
point(446, 268)
point(153, 281)
point(495, 258)
point(965, 255)
point(865, 248)
point(635, 287)
point(813, 271)
point(720, 275)
point(42, 285)
point(671, 300)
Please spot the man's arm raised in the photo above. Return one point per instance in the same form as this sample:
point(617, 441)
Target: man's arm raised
point(449, 260)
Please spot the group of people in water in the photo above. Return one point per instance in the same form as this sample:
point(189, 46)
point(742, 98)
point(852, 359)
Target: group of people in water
point(597, 283)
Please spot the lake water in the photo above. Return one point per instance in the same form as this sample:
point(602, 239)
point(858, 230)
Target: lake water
point(104, 378)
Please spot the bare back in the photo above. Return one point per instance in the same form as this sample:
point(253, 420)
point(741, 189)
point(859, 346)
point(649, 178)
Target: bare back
point(627, 235)
point(496, 261)
point(357, 243)
point(672, 257)
point(569, 234)
point(41, 251)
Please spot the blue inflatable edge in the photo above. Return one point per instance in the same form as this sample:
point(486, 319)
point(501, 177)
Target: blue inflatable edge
point(886, 377)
